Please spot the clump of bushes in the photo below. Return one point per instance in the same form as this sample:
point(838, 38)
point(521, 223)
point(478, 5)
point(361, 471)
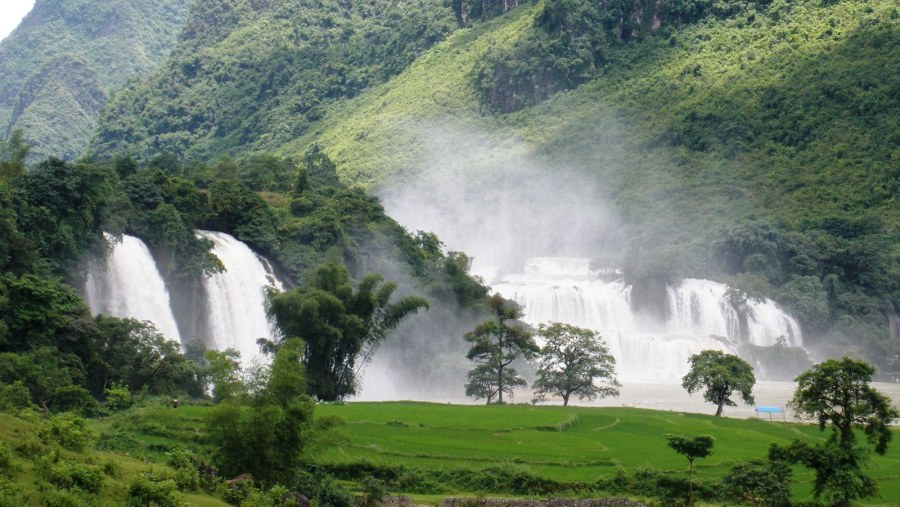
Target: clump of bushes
point(68, 430)
point(148, 489)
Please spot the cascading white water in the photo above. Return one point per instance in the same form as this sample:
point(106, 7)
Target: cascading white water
point(128, 284)
point(699, 316)
point(702, 307)
point(236, 298)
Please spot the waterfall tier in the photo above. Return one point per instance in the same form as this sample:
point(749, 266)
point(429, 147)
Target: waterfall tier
point(128, 284)
point(698, 316)
point(236, 298)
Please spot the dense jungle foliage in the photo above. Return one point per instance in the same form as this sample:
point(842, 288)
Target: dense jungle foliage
point(59, 67)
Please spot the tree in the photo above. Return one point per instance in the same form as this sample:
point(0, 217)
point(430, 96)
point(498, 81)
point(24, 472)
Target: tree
point(13, 152)
point(721, 375)
point(268, 438)
point(224, 371)
point(573, 360)
point(836, 393)
point(691, 448)
point(496, 343)
point(341, 326)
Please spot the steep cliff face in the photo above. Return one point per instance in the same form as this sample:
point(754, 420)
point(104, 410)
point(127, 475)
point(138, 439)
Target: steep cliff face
point(60, 65)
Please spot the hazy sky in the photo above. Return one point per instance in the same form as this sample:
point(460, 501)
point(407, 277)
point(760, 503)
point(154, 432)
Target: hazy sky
point(11, 13)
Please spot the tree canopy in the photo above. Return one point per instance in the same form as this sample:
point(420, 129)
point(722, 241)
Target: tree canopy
point(340, 325)
point(837, 393)
point(720, 375)
point(573, 360)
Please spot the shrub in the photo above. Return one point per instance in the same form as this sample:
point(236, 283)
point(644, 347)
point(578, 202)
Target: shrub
point(757, 481)
point(148, 490)
point(333, 494)
point(185, 463)
point(118, 397)
point(237, 490)
point(283, 497)
point(69, 474)
point(373, 492)
point(30, 447)
point(14, 397)
point(63, 498)
point(6, 456)
point(69, 431)
point(257, 498)
point(11, 495)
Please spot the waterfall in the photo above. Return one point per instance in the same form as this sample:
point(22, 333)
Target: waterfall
point(128, 284)
point(236, 299)
point(699, 316)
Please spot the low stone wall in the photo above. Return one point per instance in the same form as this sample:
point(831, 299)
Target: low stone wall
point(552, 502)
point(396, 501)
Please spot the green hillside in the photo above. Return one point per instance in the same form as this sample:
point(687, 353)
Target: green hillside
point(750, 142)
point(249, 76)
point(59, 67)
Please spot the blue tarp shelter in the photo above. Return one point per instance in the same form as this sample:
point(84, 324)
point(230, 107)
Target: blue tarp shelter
point(770, 411)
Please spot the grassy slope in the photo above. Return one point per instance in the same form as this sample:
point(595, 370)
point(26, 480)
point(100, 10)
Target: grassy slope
point(122, 468)
point(376, 137)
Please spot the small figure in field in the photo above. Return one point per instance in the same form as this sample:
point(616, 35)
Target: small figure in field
point(175, 403)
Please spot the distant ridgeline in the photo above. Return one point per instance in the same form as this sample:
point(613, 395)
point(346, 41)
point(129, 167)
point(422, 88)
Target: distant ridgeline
point(59, 67)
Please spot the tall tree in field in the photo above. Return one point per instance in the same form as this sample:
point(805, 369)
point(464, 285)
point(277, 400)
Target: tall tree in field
point(837, 393)
point(339, 325)
point(691, 448)
point(721, 375)
point(574, 361)
point(496, 343)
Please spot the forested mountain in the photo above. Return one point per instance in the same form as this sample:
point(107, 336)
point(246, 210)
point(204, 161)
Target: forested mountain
point(250, 75)
point(60, 66)
point(751, 142)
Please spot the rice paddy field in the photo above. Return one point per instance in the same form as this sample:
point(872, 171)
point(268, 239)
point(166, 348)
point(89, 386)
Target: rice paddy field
point(578, 444)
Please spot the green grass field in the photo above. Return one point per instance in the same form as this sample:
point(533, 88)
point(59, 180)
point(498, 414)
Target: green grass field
point(568, 444)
